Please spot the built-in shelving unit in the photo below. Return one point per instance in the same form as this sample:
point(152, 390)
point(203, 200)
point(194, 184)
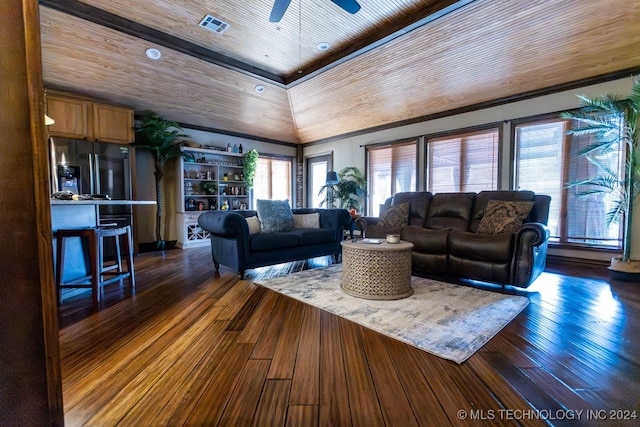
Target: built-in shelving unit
point(209, 179)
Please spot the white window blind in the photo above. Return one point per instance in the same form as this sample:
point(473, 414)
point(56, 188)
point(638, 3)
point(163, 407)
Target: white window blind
point(390, 169)
point(463, 162)
point(547, 161)
point(272, 180)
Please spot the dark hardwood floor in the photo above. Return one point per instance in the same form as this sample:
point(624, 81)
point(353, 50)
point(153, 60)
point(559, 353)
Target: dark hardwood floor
point(193, 348)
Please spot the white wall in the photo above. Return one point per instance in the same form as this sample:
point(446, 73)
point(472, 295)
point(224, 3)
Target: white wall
point(351, 151)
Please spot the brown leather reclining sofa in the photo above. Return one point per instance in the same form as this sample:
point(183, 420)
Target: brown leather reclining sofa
point(450, 236)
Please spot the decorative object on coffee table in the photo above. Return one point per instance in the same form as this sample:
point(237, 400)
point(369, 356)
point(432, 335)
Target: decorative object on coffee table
point(376, 270)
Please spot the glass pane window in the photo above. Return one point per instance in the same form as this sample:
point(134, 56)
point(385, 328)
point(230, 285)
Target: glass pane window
point(273, 180)
point(463, 162)
point(548, 162)
point(390, 169)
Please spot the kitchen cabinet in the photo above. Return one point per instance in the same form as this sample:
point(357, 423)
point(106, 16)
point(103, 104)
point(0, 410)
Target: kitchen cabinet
point(70, 115)
point(207, 180)
point(110, 123)
point(79, 118)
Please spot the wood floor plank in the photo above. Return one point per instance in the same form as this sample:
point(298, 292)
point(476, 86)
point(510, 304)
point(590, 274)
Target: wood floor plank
point(305, 387)
point(185, 396)
point(273, 405)
point(363, 399)
point(284, 356)
point(215, 395)
point(450, 396)
point(256, 323)
point(424, 401)
point(265, 347)
point(241, 408)
point(393, 399)
point(304, 416)
point(334, 397)
point(500, 387)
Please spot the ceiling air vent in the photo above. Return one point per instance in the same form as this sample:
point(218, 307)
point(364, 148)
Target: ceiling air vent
point(214, 24)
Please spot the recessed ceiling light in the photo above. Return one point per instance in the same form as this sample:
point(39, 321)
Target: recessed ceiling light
point(323, 46)
point(153, 54)
point(259, 88)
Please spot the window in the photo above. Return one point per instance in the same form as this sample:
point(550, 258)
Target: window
point(272, 180)
point(463, 162)
point(547, 160)
point(317, 168)
point(390, 169)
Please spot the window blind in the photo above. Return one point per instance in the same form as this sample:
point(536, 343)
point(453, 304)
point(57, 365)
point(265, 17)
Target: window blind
point(390, 169)
point(463, 162)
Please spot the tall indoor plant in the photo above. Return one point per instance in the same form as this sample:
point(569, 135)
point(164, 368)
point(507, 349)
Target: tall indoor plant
point(163, 139)
point(350, 190)
point(249, 167)
point(612, 121)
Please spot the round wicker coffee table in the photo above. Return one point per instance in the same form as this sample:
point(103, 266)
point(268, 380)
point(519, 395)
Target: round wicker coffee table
point(376, 271)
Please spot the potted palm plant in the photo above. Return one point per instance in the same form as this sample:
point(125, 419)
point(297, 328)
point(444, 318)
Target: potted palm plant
point(612, 121)
point(350, 190)
point(163, 139)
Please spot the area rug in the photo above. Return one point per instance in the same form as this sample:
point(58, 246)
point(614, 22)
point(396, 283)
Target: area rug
point(449, 321)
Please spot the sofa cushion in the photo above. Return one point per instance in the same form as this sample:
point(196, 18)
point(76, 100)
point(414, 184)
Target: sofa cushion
point(502, 217)
point(312, 236)
point(450, 210)
point(254, 224)
point(275, 215)
point(311, 220)
point(426, 240)
point(497, 248)
point(396, 216)
point(418, 205)
point(485, 196)
point(275, 240)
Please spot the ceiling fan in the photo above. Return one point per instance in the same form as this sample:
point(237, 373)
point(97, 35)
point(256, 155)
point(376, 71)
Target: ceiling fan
point(280, 7)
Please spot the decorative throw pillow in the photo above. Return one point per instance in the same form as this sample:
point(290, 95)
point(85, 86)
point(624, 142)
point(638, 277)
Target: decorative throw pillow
point(502, 217)
point(396, 216)
point(275, 215)
point(311, 220)
point(254, 224)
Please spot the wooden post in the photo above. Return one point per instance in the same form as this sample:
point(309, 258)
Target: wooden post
point(30, 385)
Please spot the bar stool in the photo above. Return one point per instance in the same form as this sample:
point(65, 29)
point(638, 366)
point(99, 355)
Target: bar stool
point(94, 238)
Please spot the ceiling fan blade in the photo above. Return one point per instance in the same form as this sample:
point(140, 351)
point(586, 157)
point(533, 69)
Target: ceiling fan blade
point(350, 6)
point(279, 8)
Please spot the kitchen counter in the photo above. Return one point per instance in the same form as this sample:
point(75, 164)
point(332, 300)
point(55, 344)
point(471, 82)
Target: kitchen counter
point(101, 202)
point(78, 214)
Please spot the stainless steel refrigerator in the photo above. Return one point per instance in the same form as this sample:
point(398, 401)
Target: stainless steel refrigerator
point(85, 167)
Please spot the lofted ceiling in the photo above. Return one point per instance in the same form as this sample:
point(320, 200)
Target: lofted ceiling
point(392, 62)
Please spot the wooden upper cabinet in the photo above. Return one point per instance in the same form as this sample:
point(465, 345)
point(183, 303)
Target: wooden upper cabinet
point(77, 118)
point(111, 123)
point(70, 115)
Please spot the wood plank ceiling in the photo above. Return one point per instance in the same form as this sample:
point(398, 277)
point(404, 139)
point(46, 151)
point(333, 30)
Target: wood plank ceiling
point(451, 55)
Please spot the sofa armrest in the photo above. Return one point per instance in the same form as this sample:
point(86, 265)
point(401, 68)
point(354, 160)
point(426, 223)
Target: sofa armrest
point(530, 253)
point(224, 223)
point(535, 233)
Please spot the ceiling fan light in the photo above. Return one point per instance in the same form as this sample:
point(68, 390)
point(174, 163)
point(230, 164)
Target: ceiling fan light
point(154, 54)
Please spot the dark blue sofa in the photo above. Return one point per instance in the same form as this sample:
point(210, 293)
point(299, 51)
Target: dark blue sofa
point(234, 247)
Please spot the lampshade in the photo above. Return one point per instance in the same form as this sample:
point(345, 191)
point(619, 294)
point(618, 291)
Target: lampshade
point(332, 178)
point(48, 120)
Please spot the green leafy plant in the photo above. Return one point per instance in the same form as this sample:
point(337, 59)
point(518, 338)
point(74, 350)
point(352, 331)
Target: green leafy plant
point(350, 191)
point(612, 121)
point(208, 187)
point(250, 165)
point(163, 139)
